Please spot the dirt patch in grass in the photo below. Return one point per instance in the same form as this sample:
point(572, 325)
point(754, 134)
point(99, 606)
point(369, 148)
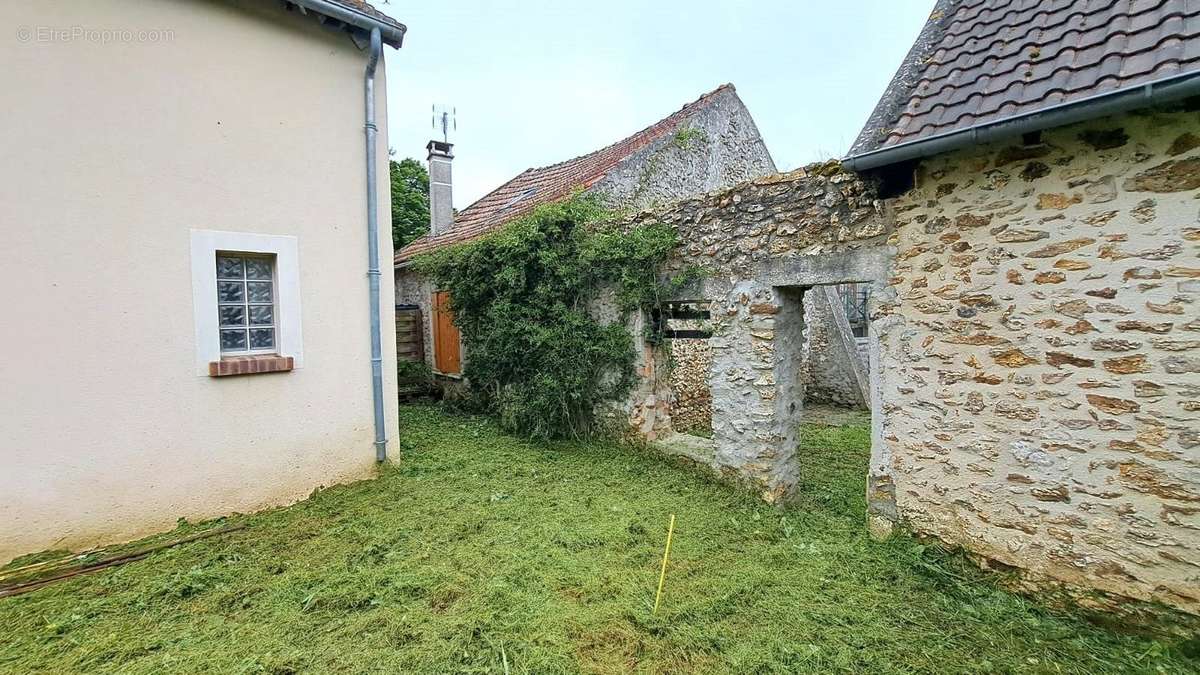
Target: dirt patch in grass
point(477, 548)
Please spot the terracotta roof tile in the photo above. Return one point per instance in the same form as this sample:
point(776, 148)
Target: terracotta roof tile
point(366, 8)
point(534, 187)
point(981, 61)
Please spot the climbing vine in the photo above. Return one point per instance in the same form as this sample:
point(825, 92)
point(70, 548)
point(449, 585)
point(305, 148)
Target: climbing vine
point(526, 300)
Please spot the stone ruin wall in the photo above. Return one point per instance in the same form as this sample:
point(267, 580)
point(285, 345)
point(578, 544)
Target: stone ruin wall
point(1041, 379)
point(1035, 347)
point(734, 235)
point(830, 374)
point(690, 402)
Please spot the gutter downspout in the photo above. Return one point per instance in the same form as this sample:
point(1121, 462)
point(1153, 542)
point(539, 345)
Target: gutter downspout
point(373, 248)
point(1166, 89)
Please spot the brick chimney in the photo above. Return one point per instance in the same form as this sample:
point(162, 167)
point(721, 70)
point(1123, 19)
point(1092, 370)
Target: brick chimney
point(441, 204)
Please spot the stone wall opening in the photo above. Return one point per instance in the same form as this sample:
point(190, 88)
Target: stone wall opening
point(684, 328)
point(827, 407)
point(742, 364)
point(759, 247)
point(835, 345)
point(691, 394)
point(804, 303)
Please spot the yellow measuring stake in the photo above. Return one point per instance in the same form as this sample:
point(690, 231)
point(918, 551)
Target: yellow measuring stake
point(662, 576)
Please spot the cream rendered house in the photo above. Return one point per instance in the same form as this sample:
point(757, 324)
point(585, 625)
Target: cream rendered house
point(190, 261)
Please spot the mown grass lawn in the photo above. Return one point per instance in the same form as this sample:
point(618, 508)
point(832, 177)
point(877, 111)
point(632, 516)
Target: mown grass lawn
point(480, 552)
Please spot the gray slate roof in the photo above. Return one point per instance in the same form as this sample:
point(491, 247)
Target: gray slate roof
point(982, 61)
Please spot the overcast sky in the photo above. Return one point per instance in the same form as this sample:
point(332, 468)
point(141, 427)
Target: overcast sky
point(536, 83)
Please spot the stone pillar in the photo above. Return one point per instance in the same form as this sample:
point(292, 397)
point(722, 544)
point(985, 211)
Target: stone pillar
point(757, 386)
point(790, 377)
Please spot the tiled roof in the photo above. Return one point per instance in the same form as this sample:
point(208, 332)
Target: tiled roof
point(534, 187)
point(358, 15)
point(366, 8)
point(983, 61)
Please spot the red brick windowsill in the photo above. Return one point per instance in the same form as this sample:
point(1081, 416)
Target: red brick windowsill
point(250, 365)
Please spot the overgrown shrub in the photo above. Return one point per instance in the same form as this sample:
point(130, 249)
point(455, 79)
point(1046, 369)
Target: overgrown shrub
point(413, 373)
point(536, 357)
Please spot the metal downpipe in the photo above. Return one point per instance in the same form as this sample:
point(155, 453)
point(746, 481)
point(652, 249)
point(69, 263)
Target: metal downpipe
point(373, 248)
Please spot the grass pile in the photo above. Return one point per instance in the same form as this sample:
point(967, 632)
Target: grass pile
point(480, 552)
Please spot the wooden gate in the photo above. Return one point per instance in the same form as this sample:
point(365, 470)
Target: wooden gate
point(447, 357)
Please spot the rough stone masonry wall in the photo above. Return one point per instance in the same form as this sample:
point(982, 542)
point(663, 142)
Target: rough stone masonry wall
point(743, 238)
point(413, 289)
point(716, 147)
point(691, 395)
point(1041, 359)
point(1035, 346)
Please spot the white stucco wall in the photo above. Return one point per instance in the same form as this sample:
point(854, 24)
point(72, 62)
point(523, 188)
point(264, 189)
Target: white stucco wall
point(245, 118)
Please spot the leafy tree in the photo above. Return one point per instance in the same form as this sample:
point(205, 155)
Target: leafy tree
point(410, 201)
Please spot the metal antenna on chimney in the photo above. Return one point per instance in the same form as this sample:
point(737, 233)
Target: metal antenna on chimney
point(444, 119)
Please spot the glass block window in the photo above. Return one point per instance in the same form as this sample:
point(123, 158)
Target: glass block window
point(246, 303)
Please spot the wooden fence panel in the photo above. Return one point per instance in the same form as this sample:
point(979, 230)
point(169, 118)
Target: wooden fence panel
point(410, 334)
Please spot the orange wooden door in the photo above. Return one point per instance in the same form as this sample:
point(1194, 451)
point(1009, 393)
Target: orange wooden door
point(447, 357)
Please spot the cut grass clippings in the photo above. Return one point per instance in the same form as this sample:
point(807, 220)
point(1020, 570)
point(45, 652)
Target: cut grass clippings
point(479, 552)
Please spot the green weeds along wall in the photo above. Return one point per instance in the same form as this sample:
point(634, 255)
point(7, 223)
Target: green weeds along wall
point(537, 358)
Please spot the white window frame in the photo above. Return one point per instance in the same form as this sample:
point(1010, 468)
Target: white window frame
point(205, 245)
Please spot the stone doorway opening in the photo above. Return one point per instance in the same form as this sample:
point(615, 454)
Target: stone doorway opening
point(833, 433)
point(749, 356)
point(835, 354)
point(806, 329)
point(800, 366)
point(833, 369)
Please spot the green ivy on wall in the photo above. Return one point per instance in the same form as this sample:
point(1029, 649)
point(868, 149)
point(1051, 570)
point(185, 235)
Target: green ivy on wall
point(537, 356)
